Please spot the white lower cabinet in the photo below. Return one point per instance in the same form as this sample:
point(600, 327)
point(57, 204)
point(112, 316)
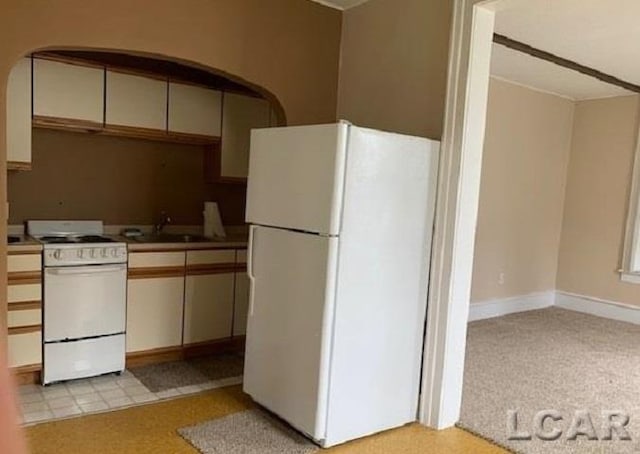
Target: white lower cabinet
point(25, 349)
point(154, 313)
point(241, 305)
point(208, 307)
point(24, 311)
point(208, 303)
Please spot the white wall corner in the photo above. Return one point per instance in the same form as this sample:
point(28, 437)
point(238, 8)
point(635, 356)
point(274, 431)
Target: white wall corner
point(598, 307)
point(512, 305)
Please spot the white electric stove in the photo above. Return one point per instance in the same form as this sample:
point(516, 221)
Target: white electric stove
point(84, 299)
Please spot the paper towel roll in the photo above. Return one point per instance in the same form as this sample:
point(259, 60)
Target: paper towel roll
point(212, 221)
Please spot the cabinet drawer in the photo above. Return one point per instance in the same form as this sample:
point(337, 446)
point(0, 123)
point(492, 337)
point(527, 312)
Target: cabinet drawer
point(18, 263)
point(156, 259)
point(27, 292)
point(28, 317)
point(25, 349)
point(211, 257)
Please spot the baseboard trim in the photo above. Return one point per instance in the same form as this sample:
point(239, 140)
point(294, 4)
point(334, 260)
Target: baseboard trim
point(27, 375)
point(180, 352)
point(504, 306)
point(598, 307)
point(565, 300)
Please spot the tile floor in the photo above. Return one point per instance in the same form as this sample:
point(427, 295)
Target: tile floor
point(94, 395)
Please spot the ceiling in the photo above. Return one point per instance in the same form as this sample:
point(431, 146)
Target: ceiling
point(340, 4)
point(542, 75)
point(601, 34)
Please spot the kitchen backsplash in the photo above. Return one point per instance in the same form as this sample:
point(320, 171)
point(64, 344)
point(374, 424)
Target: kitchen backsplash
point(121, 181)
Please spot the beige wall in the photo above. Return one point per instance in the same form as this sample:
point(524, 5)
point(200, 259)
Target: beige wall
point(394, 65)
point(598, 185)
point(527, 144)
point(121, 181)
point(290, 48)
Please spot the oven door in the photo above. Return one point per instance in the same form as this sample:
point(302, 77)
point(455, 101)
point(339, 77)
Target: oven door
point(84, 301)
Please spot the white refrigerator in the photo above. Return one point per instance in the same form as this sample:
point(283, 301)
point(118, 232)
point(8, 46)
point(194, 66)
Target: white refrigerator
point(340, 239)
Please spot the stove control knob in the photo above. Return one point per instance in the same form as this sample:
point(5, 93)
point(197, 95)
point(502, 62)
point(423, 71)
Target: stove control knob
point(79, 253)
point(104, 253)
point(94, 253)
point(114, 252)
point(57, 254)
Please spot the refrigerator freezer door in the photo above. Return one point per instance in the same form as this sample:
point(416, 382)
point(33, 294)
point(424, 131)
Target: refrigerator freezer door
point(289, 325)
point(296, 177)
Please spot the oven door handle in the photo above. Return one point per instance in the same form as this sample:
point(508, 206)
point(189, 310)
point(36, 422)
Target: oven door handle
point(85, 270)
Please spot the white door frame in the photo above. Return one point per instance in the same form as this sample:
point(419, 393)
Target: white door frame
point(456, 212)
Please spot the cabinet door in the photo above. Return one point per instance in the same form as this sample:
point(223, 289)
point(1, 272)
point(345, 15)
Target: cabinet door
point(241, 304)
point(25, 349)
point(208, 310)
point(63, 90)
point(136, 101)
point(194, 110)
point(154, 313)
point(19, 113)
point(240, 115)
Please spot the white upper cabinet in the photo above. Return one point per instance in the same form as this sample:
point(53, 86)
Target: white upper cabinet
point(194, 110)
point(240, 115)
point(19, 113)
point(64, 90)
point(136, 101)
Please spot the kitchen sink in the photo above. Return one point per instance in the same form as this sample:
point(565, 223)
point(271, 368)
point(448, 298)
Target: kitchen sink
point(171, 238)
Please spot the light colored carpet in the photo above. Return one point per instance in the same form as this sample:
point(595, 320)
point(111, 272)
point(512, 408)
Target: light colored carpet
point(247, 432)
point(175, 374)
point(551, 359)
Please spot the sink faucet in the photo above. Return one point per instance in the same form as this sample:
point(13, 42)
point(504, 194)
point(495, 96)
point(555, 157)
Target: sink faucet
point(162, 223)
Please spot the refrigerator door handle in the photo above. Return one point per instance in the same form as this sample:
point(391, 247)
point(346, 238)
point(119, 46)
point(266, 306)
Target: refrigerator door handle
point(252, 279)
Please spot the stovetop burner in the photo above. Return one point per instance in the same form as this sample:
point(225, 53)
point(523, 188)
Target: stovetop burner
point(57, 239)
point(51, 239)
point(94, 239)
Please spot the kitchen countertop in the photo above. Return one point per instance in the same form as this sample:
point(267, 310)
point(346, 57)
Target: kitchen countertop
point(26, 244)
point(230, 242)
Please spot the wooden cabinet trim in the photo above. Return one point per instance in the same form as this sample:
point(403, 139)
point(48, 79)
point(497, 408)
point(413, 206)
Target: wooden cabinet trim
point(67, 60)
point(24, 277)
point(27, 375)
point(18, 165)
point(34, 252)
point(24, 329)
point(24, 305)
point(135, 72)
point(91, 127)
point(66, 124)
point(156, 272)
point(218, 268)
point(157, 355)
